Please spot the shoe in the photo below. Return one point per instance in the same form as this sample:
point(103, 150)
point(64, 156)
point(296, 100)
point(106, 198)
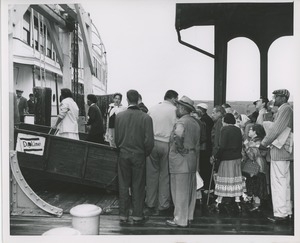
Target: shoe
point(173, 224)
point(278, 219)
point(141, 221)
point(254, 209)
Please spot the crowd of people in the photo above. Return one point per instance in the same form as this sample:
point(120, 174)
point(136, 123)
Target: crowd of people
point(162, 149)
point(161, 153)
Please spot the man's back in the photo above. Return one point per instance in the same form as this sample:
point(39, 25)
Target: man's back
point(134, 131)
point(164, 118)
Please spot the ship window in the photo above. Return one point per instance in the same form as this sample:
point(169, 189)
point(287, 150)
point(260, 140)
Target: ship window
point(26, 33)
point(36, 45)
point(35, 22)
point(26, 36)
point(49, 52)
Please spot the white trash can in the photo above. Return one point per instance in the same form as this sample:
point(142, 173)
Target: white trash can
point(86, 218)
point(62, 231)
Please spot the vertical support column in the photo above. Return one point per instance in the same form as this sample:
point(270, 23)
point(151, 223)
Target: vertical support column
point(33, 76)
point(74, 55)
point(264, 72)
point(65, 42)
point(220, 65)
point(85, 24)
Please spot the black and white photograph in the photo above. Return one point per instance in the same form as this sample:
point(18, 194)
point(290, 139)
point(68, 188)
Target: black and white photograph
point(168, 121)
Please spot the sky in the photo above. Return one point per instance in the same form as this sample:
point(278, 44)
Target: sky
point(143, 53)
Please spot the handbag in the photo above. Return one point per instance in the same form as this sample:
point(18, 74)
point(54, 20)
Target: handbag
point(250, 167)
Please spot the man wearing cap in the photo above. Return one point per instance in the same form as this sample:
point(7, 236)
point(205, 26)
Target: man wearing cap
point(22, 105)
point(158, 196)
point(261, 107)
point(204, 164)
point(184, 145)
point(280, 158)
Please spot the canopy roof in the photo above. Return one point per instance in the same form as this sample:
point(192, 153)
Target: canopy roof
point(261, 22)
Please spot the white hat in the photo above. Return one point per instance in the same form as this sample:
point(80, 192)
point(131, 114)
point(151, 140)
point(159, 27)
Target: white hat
point(202, 105)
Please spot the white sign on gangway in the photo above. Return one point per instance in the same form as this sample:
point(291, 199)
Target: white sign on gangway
point(30, 144)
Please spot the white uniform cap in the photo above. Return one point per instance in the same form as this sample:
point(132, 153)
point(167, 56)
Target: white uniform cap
point(202, 105)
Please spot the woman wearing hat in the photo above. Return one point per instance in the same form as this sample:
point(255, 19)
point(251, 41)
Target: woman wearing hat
point(229, 181)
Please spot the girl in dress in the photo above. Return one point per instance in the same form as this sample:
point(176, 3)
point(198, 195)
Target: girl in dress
point(254, 167)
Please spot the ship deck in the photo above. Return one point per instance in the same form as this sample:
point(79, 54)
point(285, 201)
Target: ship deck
point(206, 222)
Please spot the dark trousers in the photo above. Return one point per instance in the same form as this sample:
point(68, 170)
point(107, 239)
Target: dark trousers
point(131, 173)
point(95, 138)
point(205, 169)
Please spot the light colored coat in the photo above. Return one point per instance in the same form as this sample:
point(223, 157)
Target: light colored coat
point(283, 119)
point(164, 118)
point(68, 112)
point(189, 130)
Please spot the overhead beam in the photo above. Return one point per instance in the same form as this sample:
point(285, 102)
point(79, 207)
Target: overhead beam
point(49, 14)
point(86, 40)
point(53, 31)
point(69, 11)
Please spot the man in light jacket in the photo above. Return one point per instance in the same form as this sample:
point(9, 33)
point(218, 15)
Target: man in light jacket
point(184, 145)
point(280, 158)
point(158, 196)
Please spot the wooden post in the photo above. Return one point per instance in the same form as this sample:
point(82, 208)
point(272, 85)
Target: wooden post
point(264, 72)
point(220, 65)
